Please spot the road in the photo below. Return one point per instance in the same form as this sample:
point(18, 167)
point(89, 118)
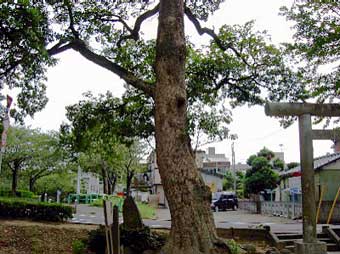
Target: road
point(237, 219)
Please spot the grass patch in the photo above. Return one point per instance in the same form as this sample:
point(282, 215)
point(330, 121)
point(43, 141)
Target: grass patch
point(146, 211)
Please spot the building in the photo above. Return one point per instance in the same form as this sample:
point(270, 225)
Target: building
point(213, 167)
point(155, 180)
point(327, 177)
point(89, 183)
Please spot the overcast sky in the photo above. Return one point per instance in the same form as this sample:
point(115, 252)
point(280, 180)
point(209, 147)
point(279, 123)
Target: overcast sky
point(74, 75)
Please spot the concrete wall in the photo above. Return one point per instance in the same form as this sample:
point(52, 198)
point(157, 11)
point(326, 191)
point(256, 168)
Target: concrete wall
point(214, 182)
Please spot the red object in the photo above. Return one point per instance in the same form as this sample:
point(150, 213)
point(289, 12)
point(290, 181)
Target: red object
point(296, 174)
point(120, 194)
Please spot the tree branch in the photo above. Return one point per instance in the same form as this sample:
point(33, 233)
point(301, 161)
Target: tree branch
point(134, 33)
point(59, 48)
point(70, 14)
point(80, 46)
point(203, 30)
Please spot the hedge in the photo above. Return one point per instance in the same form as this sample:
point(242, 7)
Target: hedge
point(19, 193)
point(22, 209)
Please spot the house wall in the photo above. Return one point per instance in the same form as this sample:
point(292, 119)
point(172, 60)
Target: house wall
point(330, 178)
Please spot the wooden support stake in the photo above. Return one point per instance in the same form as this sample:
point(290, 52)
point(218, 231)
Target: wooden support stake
point(333, 205)
point(115, 231)
point(108, 225)
point(319, 206)
point(307, 179)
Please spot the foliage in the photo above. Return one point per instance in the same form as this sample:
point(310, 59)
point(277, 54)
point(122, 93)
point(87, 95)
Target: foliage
point(237, 65)
point(78, 247)
point(261, 175)
point(146, 211)
point(103, 134)
point(64, 181)
point(31, 154)
point(25, 32)
point(16, 208)
point(316, 45)
point(228, 181)
point(234, 247)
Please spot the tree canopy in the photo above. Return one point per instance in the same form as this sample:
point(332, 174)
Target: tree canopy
point(317, 45)
point(238, 66)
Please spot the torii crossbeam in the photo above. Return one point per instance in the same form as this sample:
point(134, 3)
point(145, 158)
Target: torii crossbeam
point(304, 111)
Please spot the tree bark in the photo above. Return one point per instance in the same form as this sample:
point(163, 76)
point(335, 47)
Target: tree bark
point(14, 181)
point(129, 176)
point(105, 181)
point(32, 183)
point(192, 225)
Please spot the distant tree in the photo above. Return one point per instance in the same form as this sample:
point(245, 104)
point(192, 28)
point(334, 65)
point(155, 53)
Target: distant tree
point(278, 164)
point(131, 162)
point(103, 132)
point(261, 176)
point(228, 181)
point(62, 181)
point(31, 153)
point(291, 165)
point(240, 182)
point(47, 158)
point(265, 152)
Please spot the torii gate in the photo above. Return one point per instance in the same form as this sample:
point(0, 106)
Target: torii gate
point(304, 111)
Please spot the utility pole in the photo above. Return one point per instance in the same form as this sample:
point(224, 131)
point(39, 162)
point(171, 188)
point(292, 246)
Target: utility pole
point(233, 164)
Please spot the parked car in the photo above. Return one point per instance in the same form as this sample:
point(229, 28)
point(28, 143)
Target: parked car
point(222, 201)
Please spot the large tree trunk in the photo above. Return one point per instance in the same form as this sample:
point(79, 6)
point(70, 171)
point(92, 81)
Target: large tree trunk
point(14, 181)
point(192, 225)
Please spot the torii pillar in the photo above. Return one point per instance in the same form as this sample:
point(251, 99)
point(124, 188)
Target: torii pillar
point(304, 111)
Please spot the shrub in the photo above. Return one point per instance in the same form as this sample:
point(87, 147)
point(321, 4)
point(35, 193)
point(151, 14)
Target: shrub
point(96, 240)
point(16, 208)
point(137, 241)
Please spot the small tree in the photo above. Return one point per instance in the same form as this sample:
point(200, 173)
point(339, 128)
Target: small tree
point(261, 175)
point(228, 181)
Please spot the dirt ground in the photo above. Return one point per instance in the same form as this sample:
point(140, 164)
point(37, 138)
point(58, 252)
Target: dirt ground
point(25, 237)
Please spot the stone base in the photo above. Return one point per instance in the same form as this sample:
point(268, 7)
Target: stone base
point(310, 248)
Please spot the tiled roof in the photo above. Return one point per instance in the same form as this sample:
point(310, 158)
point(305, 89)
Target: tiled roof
point(318, 163)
